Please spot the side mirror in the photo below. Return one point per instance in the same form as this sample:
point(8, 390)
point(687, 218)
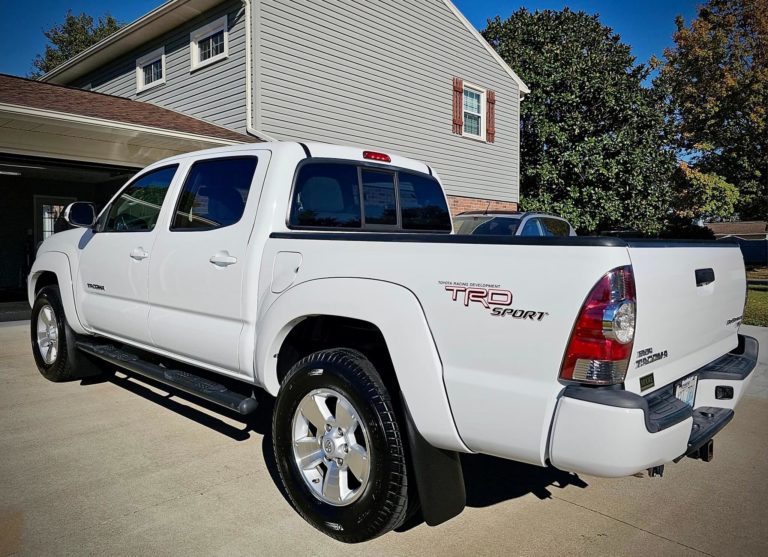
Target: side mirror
point(80, 213)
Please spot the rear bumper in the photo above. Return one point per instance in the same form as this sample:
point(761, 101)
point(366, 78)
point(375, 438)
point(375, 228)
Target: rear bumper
point(611, 432)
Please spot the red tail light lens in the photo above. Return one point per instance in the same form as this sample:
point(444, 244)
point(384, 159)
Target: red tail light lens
point(600, 346)
point(374, 156)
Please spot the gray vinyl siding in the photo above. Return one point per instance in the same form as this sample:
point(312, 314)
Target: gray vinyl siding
point(215, 93)
point(379, 74)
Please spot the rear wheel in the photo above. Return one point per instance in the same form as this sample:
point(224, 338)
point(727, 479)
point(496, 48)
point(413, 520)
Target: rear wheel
point(338, 446)
point(54, 342)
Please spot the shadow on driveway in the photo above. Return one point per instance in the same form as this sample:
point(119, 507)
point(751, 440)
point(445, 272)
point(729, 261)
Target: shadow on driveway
point(488, 480)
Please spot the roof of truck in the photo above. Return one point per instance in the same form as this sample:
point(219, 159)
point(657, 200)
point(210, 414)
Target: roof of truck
point(316, 151)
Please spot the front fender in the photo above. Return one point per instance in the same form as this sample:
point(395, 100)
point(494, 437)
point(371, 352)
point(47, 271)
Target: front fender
point(58, 263)
point(397, 313)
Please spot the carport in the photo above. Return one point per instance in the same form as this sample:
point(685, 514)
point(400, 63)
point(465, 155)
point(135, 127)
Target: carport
point(60, 144)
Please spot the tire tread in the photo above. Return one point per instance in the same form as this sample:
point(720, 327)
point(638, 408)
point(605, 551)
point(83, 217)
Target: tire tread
point(392, 512)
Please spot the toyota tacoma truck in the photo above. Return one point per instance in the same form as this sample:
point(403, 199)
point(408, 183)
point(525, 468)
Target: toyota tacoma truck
point(329, 277)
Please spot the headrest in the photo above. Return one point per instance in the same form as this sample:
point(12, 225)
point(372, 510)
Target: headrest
point(322, 194)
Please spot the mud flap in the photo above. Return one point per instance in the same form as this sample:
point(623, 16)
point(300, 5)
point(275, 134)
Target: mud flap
point(439, 477)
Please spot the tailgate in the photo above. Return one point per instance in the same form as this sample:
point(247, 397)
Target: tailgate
point(690, 300)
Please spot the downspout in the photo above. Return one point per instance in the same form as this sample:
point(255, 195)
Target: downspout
point(249, 128)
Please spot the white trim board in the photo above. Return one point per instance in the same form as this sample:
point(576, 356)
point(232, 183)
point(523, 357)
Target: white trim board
point(90, 120)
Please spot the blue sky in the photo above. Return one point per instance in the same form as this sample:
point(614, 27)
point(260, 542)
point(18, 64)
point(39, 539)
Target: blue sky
point(645, 25)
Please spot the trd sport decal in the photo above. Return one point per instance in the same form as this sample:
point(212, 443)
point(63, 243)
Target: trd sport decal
point(491, 297)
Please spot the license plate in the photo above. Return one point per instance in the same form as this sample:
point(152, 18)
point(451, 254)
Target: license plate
point(685, 390)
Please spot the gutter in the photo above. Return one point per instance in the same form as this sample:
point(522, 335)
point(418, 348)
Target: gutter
point(250, 128)
point(111, 124)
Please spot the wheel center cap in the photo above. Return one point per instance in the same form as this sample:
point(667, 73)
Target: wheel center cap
point(328, 447)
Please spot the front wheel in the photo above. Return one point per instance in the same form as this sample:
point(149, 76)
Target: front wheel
point(338, 446)
point(54, 343)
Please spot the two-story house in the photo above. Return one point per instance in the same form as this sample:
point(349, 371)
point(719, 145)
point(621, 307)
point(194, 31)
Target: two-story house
point(410, 76)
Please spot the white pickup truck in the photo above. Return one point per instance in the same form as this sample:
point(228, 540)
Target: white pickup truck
point(329, 277)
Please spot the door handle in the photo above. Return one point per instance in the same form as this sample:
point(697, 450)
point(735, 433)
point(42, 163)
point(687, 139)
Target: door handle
point(223, 259)
point(138, 254)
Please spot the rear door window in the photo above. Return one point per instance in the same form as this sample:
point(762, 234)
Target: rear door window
point(214, 193)
point(531, 228)
point(498, 226)
point(555, 227)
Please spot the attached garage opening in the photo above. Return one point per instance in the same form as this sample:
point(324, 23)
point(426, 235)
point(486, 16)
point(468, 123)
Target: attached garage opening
point(34, 192)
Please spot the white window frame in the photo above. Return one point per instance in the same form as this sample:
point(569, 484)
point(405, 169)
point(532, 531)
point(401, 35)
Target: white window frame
point(483, 116)
point(154, 56)
point(204, 32)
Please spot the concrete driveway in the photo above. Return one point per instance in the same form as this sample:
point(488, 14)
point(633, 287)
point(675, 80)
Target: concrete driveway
point(121, 467)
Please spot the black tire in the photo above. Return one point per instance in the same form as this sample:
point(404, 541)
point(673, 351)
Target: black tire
point(383, 502)
point(69, 363)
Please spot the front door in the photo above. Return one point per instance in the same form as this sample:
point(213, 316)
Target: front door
point(114, 260)
point(198, 263)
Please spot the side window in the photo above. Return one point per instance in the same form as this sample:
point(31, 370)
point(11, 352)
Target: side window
point(214, 193)
point(379, 203)
point(555, 227)
point(531, 228)
point(498, 226)
point(138, 206)
point(422, 203)
point(326, 194)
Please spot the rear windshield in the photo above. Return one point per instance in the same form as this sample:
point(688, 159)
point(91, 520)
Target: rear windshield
point(354, 197)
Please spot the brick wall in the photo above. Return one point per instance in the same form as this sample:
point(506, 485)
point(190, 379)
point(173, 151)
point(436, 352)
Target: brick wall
point(459, 204)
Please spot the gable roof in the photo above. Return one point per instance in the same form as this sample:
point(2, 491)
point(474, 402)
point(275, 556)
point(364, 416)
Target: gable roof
point(492, 51)
point(29, 94)
point(162, 19)
point(175, 12)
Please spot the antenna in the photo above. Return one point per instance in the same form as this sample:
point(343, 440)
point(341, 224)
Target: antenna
point(486, 208)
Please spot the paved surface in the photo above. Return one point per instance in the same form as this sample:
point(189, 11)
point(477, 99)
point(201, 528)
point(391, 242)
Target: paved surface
point(119, 467)
point(14, 311)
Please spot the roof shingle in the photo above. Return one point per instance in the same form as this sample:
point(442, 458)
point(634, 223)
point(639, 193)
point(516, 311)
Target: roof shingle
point(35, 94)
point(741, 227)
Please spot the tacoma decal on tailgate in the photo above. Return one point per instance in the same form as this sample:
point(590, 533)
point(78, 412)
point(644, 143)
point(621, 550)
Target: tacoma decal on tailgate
point(733, 320)
point(491, 297)
point(648, 356)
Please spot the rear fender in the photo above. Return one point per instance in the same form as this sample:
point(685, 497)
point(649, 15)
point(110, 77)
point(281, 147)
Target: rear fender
point(409, 342)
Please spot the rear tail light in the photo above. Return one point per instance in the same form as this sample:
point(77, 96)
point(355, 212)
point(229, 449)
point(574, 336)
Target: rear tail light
point(600, 346)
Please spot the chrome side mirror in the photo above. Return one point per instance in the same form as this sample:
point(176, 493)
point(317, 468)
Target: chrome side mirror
point(80, 213)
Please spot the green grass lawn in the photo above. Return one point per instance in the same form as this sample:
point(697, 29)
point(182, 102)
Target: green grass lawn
point(756, 312)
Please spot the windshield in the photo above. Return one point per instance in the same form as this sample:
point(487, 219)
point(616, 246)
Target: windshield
point(486, 225)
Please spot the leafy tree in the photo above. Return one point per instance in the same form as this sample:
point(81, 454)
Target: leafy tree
point(701, 195)
point(717, 79)
point(592, 145)
point(70, 38)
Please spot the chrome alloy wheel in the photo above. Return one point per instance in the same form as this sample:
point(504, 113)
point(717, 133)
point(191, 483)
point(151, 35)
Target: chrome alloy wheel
point(331, 447)
point(47, 334)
